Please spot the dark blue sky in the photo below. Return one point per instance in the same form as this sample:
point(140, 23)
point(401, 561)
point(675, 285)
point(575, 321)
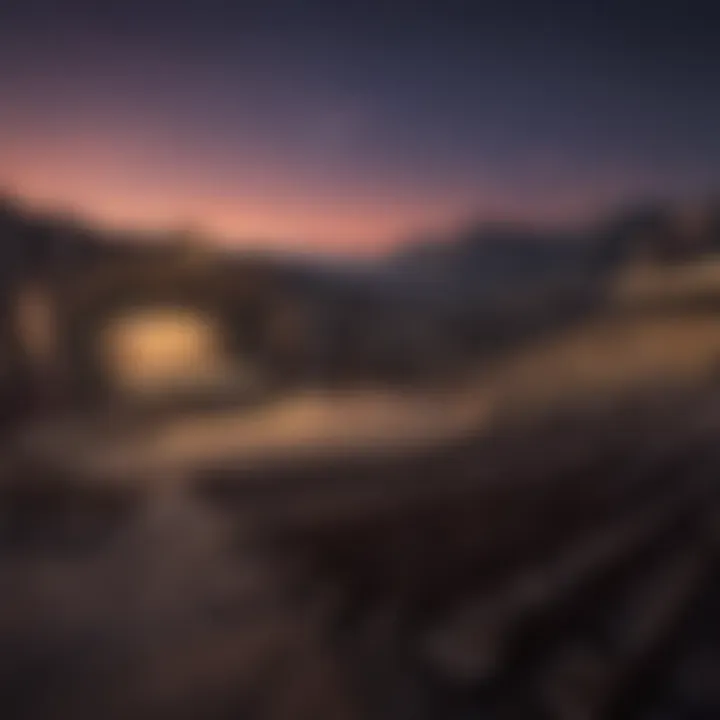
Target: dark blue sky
point(349, 124)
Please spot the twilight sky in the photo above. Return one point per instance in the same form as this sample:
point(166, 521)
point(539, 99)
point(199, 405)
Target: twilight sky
point(347, 126)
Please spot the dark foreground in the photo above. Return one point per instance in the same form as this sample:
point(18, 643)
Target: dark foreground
point(567, 571)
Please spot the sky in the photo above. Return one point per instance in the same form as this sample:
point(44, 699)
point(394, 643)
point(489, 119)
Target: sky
point(351, 126)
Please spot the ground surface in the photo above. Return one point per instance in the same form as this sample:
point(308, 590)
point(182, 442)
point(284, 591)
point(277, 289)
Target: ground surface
point(557, 569)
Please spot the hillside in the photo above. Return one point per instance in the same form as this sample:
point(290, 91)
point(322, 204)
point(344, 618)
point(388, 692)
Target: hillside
point(528, 529)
